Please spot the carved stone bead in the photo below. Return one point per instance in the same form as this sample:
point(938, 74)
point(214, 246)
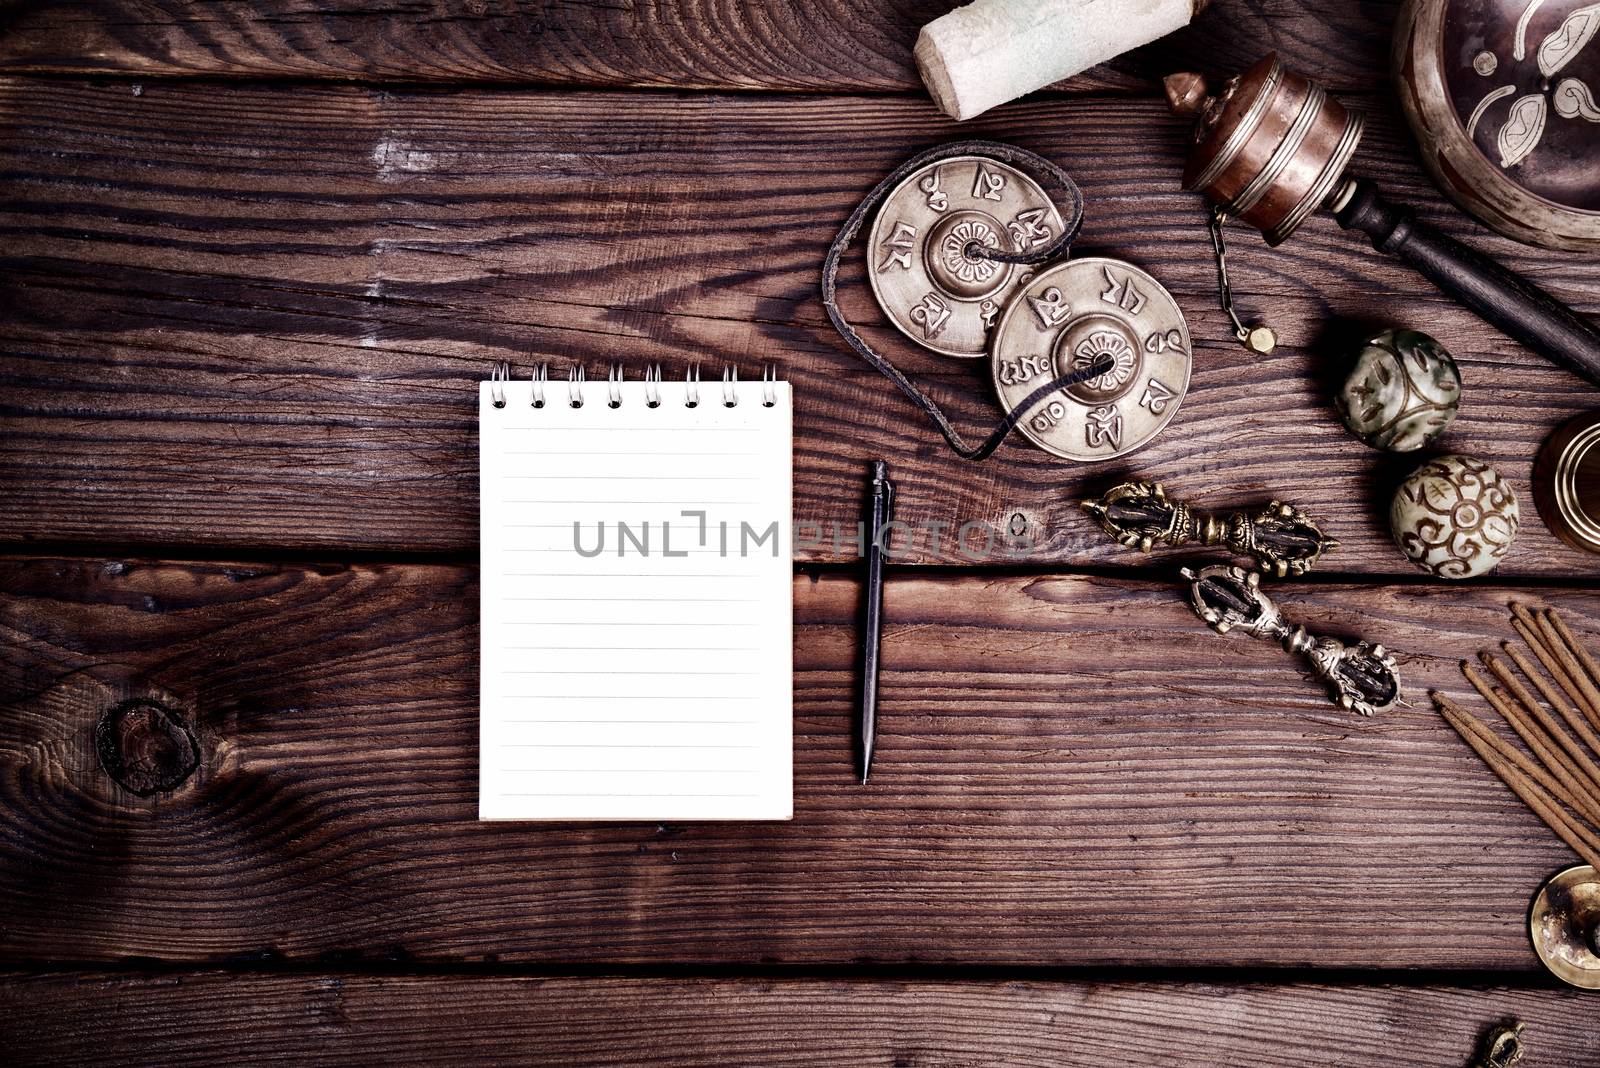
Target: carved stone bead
point(1454, 517)
point(1402, 392)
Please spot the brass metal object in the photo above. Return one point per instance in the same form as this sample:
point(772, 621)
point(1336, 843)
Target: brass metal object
point(1282, 539)
point(1269, 148)
point(1566, 482)
point(920, 260)
point(1502, 1048)
point(1564, 921)
point(1077, 314)
point(1361, 678)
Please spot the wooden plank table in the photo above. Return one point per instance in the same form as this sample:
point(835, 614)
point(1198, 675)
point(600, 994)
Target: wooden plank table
point(255, 256)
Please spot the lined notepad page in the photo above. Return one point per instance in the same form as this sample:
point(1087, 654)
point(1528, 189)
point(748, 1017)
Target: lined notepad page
point(636, 604)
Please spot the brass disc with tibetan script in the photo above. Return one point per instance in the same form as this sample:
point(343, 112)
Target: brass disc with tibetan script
point(919, 260)
point(1075, 315)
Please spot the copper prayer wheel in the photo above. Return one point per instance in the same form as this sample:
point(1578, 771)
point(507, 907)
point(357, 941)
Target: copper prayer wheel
point(1272, 147)
point(1269, 148)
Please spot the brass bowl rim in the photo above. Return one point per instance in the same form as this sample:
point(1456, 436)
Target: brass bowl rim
point(1582, 978)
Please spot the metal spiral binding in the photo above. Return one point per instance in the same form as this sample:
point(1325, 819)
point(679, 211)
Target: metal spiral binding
point(541, 375)
point(500, 374)
point(691, 386)
point(575, 385)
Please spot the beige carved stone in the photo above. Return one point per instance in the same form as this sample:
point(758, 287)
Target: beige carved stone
point(1454, 517)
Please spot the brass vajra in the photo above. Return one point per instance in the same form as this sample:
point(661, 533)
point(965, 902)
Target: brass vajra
point(1361, 677)
point(1502, 1048)
point(1282, 539)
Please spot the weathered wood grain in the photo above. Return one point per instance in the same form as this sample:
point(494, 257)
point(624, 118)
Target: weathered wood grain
point(821, 46)
point(208, 1018)
point(1070, 771)
point(223, 326)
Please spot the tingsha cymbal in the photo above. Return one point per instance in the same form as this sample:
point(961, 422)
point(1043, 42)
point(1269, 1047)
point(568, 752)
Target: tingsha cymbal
point(1565, 924)
point(1075, 315)
point(920, 251)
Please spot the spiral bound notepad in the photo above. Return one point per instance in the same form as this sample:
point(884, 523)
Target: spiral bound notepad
point(636, 600)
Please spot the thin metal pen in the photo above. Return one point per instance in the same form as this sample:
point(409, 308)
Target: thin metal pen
point(882, 515)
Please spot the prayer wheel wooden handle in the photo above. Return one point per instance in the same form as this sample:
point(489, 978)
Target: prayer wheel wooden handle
point(1506, 300)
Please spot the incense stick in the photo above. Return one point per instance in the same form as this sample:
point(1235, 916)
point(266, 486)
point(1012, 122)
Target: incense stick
point(1577, 797)
point(1582, 842)
point(1580, 656)
point(1574, 670)
point(1513, 755)
point(1530, 704)
point(1557, 763)
point(1579, 725)
point(1531, 635)
point(1478, 736)
point(1569, 790)
point(1559, 778)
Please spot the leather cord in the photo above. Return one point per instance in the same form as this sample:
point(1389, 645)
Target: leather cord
point(1072, 212)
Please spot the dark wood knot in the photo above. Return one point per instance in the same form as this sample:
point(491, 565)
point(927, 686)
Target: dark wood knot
point(145, 747)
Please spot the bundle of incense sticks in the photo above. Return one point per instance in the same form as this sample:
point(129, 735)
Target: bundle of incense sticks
point(1560, 781)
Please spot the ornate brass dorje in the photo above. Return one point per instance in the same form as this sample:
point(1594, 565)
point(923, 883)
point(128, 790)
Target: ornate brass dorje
point(1281, 538)
point(1502, 1048)
point(1361, 678)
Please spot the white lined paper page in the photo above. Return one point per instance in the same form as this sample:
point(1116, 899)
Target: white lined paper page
point(642, 673)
